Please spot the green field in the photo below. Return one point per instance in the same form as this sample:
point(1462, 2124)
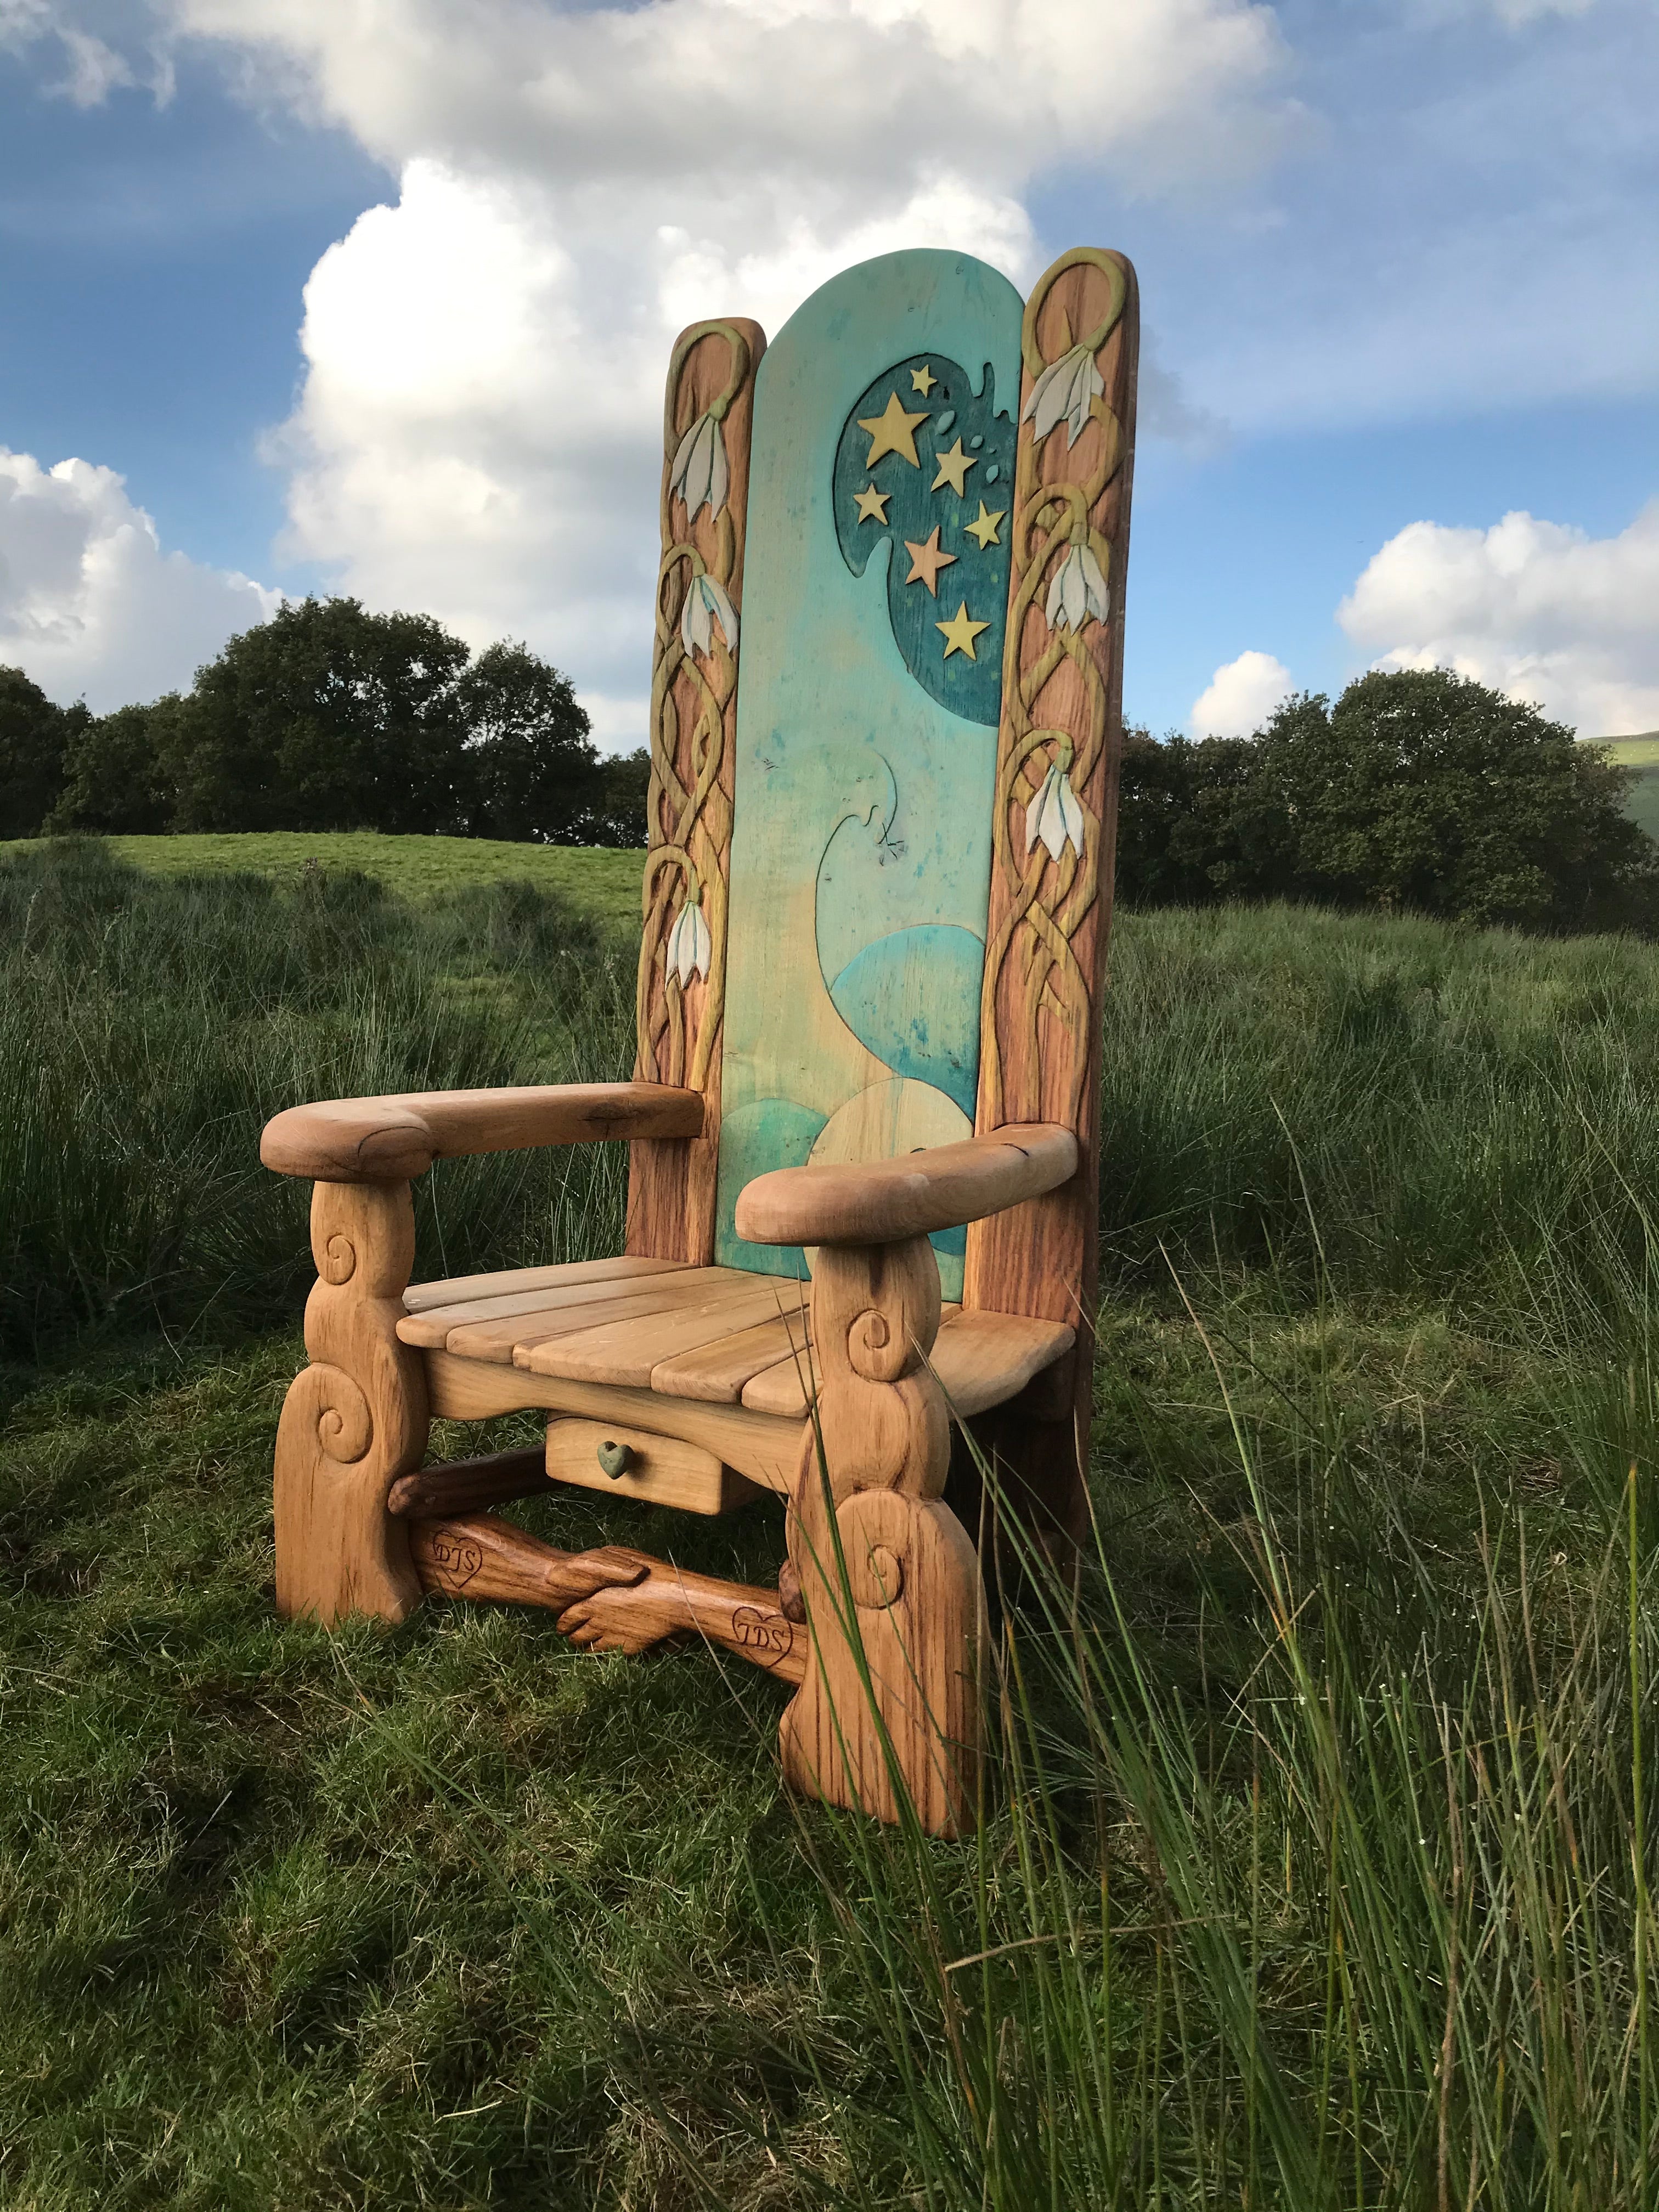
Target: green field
point(1641, 754)
point(604, 883)
point(1318, 1860)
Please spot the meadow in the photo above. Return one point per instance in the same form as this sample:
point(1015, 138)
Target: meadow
point(1317, 1863)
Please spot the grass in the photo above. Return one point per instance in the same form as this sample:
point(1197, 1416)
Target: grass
point(605, 884)
point(1318, 1858)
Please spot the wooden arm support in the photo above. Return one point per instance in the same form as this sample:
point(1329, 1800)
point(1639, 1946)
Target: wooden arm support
point(885, 1201)
point(393, 1139)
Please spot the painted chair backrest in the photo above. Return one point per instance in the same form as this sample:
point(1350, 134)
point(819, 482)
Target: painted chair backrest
point(879, 878)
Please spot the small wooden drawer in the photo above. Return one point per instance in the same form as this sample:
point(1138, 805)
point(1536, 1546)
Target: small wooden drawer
point(659, 1469)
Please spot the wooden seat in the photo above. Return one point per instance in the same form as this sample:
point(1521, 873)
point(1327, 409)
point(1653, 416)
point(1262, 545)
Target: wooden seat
point(863, 1122)
point(716, 1334)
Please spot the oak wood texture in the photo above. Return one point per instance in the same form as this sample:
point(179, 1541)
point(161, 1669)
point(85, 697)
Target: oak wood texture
point(465, 1486)
point(392, 1140)
point(1050, 913)
point(680, 994)
point(980, 1359)
point(519, 1282)
point(661, 1470)
point(887, 1577)
point(354, 1419)
point(626, 1350)
point(883, 1201)
point(758, 1445)
point(567, 1311)
point(608, 1599)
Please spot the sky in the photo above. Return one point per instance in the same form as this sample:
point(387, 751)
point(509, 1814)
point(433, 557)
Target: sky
point(376, 296)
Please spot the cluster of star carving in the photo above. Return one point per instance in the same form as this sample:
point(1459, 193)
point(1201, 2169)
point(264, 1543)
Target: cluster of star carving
point(894, 431)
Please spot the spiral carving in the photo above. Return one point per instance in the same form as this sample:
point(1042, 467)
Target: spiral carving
point(337, 1263)
point(344, 1418)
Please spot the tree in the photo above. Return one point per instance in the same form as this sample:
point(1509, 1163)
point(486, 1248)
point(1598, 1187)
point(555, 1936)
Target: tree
point(1426, 792)
point(325, 717)
point(624, 780)
point(532, 771)
point(114, 780)
point(1193, 824)
point(34, 733)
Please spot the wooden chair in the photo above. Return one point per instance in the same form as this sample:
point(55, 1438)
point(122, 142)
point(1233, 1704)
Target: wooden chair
point(876, 904)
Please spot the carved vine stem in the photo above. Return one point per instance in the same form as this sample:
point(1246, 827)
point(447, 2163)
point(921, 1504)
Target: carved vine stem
point(1030, 1066)
point(688, 811)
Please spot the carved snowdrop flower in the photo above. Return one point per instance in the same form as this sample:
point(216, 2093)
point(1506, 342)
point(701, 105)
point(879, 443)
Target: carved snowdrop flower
point(691, 947)
point(1062, 393)
point(1055, 817)
point(706, 604)
point(700, 476)
point(1079, 590)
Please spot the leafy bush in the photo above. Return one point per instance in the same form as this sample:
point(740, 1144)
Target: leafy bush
point(1419, 792)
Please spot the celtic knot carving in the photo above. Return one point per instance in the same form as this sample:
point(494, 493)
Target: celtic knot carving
point(681, 987)
point(1057, 705)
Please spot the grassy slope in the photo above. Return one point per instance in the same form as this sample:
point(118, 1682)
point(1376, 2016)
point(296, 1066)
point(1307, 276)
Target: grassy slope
point(1641, 753)
point(456, 1916)
point(605, 884)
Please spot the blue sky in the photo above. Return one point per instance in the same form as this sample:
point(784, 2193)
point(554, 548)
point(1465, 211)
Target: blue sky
point(322, 294)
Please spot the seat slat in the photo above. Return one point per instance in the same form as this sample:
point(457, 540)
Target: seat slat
point(626, 1352)
point(434, 1326)
point(718, 1372)
point(499, 1340)
point(981, 1359)
point(513, 1282)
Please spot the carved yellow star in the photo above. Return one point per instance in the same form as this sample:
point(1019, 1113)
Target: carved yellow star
point(953, 468)
point(960, 632)
point(893, 431)
point(927, 561)
point(871, 503)
point(984, 527)
point(922, 379)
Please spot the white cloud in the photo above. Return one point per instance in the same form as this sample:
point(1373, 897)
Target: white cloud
point(89, 603)
point(477, 430)
point(1240, 696)
point(1538, 610)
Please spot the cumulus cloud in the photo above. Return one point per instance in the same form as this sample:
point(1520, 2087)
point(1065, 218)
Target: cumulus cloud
point(478, 429)
point(1539, 610)
point(1240, 696)
point(90, 605)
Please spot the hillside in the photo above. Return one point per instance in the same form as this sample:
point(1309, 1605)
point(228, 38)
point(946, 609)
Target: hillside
point(1640, 754)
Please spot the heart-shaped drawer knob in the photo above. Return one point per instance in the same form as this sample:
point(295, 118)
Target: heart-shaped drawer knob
point(615, 1459)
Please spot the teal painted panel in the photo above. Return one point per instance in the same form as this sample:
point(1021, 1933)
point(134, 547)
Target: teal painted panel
point(862, 851)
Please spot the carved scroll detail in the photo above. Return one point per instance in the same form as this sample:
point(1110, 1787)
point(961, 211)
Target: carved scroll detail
point(882, 1570)
point(355, 1419)
point(680, 992)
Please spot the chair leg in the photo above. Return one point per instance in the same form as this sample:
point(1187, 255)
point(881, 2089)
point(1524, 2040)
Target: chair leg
point(355, 1419)
point(891, 1705)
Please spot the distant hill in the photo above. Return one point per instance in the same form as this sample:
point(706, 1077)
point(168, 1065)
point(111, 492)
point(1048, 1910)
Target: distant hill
point(1641, 753)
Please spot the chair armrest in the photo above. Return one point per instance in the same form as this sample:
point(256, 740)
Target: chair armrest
point(390, 1140)
point(881, 1201)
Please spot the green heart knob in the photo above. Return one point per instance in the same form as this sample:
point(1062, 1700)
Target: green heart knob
point(615, 1459)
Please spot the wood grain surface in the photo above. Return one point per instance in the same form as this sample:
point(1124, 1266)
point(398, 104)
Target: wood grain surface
point(354, 1419)
point(392, 1140)
point(884, 1202)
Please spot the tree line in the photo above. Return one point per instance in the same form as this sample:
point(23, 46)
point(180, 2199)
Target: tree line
point(327, 717)
point(1418, 791)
